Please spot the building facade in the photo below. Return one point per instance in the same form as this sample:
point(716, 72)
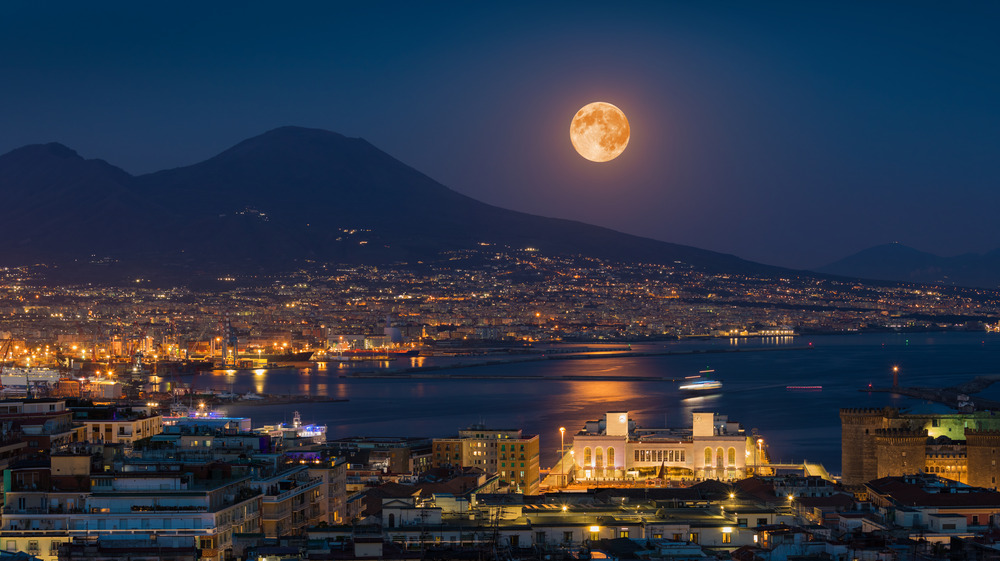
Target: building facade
point(505, 452)
point(878, 443)
point(615, 448)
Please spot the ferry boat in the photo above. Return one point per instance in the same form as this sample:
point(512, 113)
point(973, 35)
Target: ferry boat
point(700, 386)
point(699, 383)
point(315, 433)
point(19, 376)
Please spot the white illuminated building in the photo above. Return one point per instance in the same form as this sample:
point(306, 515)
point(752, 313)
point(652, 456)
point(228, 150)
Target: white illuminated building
point(615, 448)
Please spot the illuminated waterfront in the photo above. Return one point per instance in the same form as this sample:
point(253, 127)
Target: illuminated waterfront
point(796, 423)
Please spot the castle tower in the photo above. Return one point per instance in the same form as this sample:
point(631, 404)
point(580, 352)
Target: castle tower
point(900, 451)
point(857, 445)
point(983, 452)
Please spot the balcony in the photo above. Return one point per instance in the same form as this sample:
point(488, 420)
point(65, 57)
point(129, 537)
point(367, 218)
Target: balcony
point(11, 509)
point(169, 508)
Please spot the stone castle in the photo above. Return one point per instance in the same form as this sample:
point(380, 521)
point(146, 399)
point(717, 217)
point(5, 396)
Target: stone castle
point(886, 442)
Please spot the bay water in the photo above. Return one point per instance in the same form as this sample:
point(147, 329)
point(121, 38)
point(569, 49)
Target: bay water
point(758, 375)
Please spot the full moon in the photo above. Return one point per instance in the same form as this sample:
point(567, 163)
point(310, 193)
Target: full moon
point(599, 131)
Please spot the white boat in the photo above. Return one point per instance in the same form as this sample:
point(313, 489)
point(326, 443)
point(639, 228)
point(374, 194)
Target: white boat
point(317, 433)
point(700, 386)
point(699, 383)
point(16, 376)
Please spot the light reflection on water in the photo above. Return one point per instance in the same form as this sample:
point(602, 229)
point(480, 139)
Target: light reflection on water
point(795, 424)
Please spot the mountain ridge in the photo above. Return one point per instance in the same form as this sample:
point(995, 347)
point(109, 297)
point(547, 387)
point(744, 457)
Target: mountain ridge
point(898, 262)
point(276, 200)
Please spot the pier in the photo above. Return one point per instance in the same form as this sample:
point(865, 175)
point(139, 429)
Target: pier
point(952, 396)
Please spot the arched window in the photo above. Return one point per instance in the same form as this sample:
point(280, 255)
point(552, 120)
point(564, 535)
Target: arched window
point(586, 456)
point(611, 457)
point(732, 457)
point(599, 457)
point(720, 458)
point(708, 457)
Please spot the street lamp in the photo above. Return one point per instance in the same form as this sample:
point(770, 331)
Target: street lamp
point(760, 449)
point(562, 453)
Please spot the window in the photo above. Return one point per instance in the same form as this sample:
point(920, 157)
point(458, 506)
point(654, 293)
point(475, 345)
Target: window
point(637, 455)
point(623, 533)
point(975, 520)
point(611, 457)
point(676, 537)
point(586, 456)
point(762, 521)
point(540, 537)
point(708, 457)
point(567, 537)
point(727, 537)
point(732, 457)
point(947, 526)
point(741, 522)
point(595, 535)
point(657, 536)
point(599, 457)
point(693, 537)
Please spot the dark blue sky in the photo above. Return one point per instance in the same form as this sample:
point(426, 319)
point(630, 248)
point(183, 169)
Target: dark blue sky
point(787, 133)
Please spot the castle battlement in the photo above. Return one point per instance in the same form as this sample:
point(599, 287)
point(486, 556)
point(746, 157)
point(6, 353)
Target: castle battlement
point(885, 442)
point(983, 432)
point(861, 411)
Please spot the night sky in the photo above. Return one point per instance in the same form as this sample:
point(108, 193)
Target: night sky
point(792, 133)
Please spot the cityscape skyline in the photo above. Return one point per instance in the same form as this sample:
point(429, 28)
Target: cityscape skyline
point(505, 282)
point(783, 133)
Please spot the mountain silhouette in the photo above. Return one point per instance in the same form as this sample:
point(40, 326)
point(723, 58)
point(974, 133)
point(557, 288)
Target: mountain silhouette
point(897, 262)
point(273, 203)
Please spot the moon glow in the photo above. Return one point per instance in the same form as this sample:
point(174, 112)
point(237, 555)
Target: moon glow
point(599, 131)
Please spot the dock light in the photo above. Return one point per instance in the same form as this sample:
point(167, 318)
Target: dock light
point(732, 495)
point(595, 528)
point(564, 508)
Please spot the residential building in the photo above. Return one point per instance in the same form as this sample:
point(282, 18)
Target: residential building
point(506, 452)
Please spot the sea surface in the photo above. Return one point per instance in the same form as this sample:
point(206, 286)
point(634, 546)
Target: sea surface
point(796, 424)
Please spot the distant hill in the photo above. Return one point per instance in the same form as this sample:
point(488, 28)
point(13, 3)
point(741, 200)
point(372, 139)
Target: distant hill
point(897, 262)
point(273, 202)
